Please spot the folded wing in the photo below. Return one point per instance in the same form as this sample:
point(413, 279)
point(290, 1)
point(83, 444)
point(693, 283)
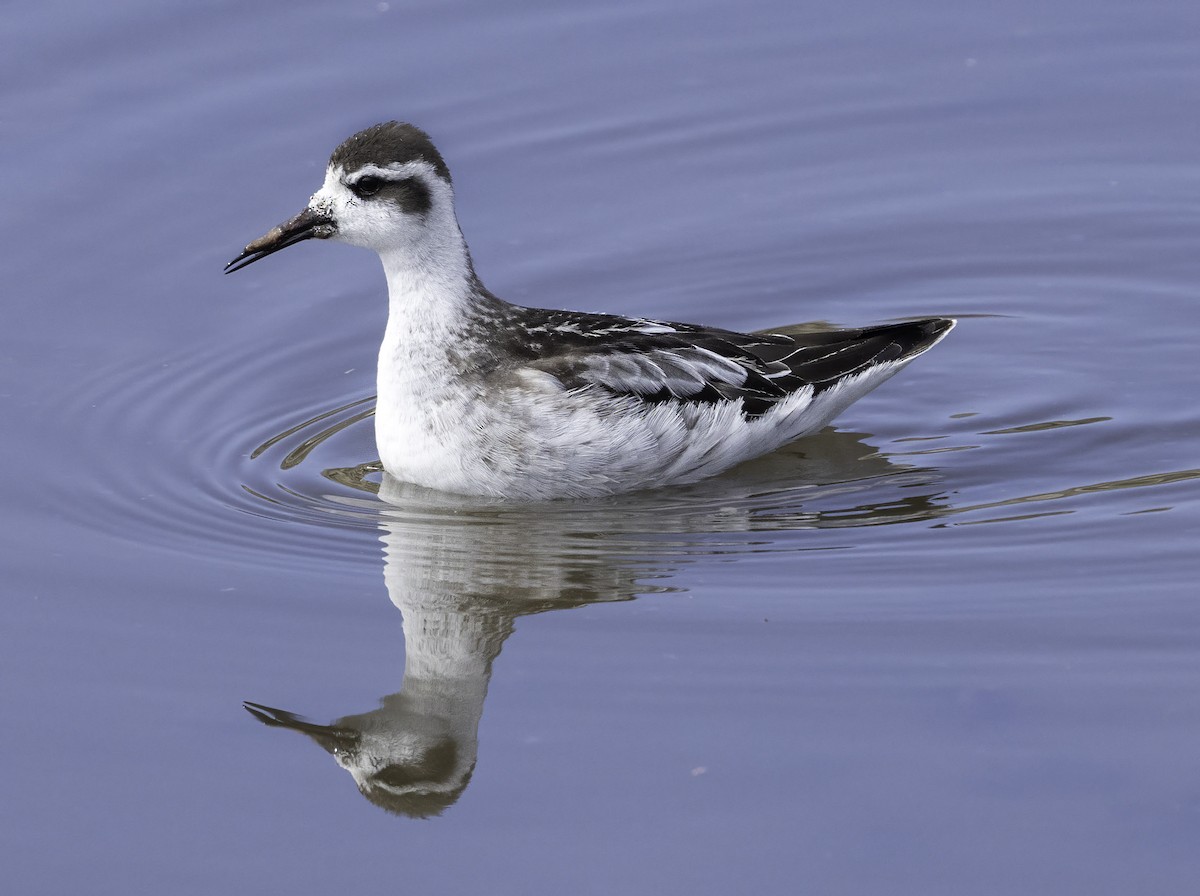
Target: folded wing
point(660, 362)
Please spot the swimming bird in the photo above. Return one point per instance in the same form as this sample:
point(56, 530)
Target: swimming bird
point(482, 397)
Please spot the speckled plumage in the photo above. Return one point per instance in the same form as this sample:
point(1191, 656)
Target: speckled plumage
point(479, 396)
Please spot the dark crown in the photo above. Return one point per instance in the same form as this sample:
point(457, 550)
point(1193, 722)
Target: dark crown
point(387, 143)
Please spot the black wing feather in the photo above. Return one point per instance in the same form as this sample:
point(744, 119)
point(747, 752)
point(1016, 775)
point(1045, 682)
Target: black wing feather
point(659, 361)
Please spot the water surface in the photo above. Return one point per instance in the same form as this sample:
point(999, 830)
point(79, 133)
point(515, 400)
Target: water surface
point(947, 646)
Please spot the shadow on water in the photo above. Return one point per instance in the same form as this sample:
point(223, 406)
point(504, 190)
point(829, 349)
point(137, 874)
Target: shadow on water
point(462, 575)
point(462, 570)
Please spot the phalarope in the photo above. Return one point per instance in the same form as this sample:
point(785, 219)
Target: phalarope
point(482, 397)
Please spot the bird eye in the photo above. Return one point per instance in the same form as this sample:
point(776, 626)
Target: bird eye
point(367, 186)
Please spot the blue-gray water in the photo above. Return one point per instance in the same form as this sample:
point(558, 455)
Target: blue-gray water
point(950, 646)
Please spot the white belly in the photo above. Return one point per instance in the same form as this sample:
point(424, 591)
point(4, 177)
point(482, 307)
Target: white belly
point(532, 440)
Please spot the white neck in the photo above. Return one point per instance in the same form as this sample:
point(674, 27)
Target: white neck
point(429, 283)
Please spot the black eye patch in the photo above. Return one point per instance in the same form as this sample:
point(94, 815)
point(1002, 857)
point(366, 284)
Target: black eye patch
point(410, 193)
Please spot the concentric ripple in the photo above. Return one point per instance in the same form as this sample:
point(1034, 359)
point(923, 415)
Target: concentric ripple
point(222, 458)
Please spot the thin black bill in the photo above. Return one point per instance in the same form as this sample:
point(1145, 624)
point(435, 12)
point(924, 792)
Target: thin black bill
point(309, 224)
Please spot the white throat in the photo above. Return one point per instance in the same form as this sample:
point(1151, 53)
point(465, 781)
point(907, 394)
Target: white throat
point(429, 281)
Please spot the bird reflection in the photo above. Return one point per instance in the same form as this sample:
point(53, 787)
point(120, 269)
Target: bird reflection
point(414, 755)
point(462, 571)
